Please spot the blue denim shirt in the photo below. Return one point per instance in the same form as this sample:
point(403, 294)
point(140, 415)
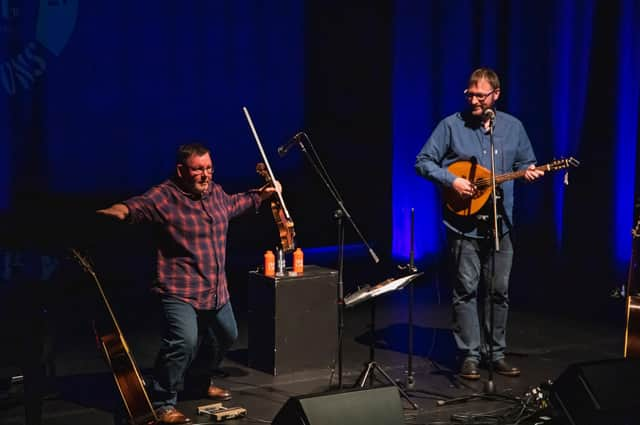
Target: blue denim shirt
point(460, 137)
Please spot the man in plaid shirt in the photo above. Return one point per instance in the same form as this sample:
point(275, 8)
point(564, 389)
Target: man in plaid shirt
point(192, 214)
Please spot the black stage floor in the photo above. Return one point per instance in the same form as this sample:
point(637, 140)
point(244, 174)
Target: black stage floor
point(543, 345)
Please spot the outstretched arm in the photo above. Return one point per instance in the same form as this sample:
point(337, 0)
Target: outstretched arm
point(119, 211)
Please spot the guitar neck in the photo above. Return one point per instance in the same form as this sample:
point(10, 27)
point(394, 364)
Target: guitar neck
point(517, 174)
point(86, 265)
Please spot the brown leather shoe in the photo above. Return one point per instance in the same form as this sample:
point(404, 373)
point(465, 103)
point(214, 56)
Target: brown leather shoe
point(504, 368)
point(172, 416)
point(217, 393)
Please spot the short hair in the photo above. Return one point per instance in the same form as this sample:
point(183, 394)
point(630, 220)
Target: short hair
point(486, 73)
point(187, 150)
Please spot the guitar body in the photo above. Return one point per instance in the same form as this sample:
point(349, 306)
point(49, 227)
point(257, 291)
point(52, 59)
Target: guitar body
point(472, 172)
point(632, 329)
point(128, 379)
point(480, 177)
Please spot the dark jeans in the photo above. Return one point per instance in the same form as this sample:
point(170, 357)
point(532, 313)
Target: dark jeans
point(203, 336)
point(473, 261)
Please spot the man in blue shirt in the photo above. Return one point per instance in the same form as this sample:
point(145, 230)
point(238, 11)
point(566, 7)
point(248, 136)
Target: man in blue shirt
point(465, 136)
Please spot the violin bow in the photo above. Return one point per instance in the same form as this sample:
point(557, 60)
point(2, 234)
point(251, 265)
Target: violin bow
point(266, 161)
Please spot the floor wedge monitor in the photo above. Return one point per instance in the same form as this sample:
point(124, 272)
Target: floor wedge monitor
point(372, 406)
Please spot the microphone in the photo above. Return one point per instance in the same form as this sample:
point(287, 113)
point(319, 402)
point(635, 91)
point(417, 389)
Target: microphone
point(283, 149)
point(489, 114)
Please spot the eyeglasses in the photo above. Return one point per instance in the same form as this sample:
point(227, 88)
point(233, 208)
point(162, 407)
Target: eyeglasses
point(480, 96)
point(201, 170)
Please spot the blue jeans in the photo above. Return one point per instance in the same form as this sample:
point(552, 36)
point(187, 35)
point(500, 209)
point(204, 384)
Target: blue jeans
point(189, 334)
point(472, 262)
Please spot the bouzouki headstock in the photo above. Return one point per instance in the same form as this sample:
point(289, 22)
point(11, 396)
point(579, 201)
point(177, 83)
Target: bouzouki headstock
point(559, 164)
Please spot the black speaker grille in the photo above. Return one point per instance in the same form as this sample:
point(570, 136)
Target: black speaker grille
point(601, 392)
point(374, 406)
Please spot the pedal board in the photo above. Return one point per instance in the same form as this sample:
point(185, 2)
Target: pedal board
point(220, 413)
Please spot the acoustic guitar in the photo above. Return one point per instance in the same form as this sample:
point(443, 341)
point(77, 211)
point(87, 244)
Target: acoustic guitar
point(632, 329)
point(118, 356)
point(480, 177)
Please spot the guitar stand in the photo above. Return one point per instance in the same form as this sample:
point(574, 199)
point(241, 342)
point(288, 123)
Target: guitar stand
point(372, 366)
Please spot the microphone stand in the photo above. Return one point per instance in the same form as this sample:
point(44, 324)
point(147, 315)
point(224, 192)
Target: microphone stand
point(489, 385)
point(338, 215)
point(410, 381)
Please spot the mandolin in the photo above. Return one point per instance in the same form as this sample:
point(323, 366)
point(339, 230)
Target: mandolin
point(480, 177)
point(632, 329)
point(118, 356)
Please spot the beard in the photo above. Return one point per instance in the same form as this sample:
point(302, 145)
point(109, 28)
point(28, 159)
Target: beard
point(201, 187)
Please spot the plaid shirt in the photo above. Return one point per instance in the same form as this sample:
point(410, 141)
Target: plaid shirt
point(191, 239)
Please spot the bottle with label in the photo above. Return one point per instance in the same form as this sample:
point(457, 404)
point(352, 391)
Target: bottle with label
point(298, 261)
point(269, 263)
point(281, 264)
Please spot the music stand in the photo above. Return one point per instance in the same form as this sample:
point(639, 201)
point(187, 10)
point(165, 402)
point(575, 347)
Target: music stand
point(370, 293)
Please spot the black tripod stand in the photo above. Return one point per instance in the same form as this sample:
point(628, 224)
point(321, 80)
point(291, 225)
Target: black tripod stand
point(410, 381)
point(371, 293)
point(372, 366)
point(408, 269)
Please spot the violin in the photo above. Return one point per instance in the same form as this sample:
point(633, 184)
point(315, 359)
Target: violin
point(285, 224)
point(278, 208)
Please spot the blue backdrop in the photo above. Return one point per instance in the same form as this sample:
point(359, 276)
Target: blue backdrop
point(569, 72)
point(96, 97)
point(104, 111)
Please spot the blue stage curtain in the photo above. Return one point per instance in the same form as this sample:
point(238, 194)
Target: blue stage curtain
point(569, 72)
point(95, 100)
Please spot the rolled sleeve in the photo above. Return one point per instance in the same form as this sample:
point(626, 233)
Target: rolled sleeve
point(429, 160)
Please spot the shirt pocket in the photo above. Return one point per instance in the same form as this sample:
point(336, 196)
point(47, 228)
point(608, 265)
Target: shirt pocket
point(506, 153)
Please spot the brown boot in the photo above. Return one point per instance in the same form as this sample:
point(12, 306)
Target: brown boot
point(218, 394)
point(503, 368)
point(172, 416)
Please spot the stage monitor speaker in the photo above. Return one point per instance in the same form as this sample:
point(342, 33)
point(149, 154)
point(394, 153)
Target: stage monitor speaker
point(372, 406)
point(600, 392)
